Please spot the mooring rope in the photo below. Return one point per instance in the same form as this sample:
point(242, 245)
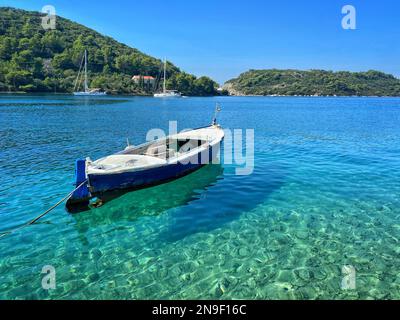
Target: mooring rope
point(30, 222)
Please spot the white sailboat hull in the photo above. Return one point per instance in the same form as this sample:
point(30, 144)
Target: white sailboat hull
point(168, 95)
point(90, 93)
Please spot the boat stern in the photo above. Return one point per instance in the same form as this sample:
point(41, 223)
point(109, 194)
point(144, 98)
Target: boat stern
point(81, 195)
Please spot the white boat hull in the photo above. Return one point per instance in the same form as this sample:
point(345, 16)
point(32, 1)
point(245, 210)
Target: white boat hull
point(90, 93)
point(167, 95)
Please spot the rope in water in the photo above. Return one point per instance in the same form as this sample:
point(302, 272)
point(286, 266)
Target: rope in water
point(30, 222)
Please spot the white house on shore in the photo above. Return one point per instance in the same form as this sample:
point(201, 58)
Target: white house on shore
point(146, 79)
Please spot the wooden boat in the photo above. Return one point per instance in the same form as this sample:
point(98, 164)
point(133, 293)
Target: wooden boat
point(148, 164)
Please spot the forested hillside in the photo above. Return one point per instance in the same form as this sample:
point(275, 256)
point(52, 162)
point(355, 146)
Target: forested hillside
point(314, 82)
point(33, 59)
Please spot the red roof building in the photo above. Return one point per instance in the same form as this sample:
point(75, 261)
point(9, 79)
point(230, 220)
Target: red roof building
point(145, 79)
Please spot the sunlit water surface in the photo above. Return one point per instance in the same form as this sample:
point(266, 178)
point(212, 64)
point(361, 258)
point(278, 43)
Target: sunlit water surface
point(325, 192)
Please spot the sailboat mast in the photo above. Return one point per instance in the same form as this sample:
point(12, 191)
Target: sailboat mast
point(86, 85)
point(165, 75)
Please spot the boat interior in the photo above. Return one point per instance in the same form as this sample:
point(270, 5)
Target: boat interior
point(152, 154)
point(156, 152)
point(167, 148)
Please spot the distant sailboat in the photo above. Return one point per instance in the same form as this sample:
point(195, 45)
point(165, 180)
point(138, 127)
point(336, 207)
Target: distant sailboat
point(87, 91)
point(167, 93)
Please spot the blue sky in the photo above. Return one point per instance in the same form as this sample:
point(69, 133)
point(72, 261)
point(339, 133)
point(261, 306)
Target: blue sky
point(222, 38)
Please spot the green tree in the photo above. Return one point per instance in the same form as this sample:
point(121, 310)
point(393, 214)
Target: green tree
point(205, 86)
point(124, 64)
point(52, 42)
point(18, 78)
point(7, 47)
point(63, 61)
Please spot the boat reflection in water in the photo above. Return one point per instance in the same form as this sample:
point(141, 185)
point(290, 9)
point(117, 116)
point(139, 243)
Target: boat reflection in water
point(128, 205)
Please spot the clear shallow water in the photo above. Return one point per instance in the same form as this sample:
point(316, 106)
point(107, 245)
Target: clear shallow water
point(325, 193)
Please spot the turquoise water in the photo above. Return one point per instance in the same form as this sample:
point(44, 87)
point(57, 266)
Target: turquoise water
point(324, 193)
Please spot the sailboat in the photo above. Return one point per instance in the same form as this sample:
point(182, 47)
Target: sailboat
point(87, 91)
point(167, 93)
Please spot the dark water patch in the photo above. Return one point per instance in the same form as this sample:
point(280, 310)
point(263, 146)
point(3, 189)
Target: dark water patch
point(149, 202)
point(225, 202)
